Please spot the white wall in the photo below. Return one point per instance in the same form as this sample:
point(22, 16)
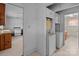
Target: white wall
point(73, 30)
point(41, 29)
point(52, 38)
point(35, 36)
point(51, 14)
point(30, 29)
point(35, 28)
point(61, 7)
point(14, 16)
point(64, 12)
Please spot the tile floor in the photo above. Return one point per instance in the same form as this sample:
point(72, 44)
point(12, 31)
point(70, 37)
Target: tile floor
point(70, 48)
point(17, 47)
point(35, 53)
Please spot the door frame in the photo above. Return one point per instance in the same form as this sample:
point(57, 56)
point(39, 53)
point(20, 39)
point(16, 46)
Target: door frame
point(62, 13)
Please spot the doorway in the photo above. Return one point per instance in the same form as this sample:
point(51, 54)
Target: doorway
point(71, 32)
point(69, 25)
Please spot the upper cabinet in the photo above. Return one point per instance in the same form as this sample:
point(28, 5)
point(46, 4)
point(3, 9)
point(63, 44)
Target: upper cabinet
point(2, 14)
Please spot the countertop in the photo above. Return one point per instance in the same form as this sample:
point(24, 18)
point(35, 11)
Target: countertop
point(5, 31)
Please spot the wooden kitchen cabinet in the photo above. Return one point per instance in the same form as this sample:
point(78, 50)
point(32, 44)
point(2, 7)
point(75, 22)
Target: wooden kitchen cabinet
point(1, 42)
point(5, 41)
point(8, 40)
point(2, 14)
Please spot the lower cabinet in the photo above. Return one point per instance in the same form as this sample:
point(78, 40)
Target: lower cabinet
point(8, 41)
point(5, 41)
point(2, 41)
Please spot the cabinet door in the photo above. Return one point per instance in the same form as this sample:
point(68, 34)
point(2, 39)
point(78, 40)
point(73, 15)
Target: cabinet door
point(2, 14)
point(8, 40)
point(1, 42)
